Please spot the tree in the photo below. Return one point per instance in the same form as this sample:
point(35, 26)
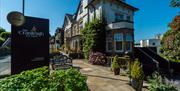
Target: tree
point(2, 30)
point(5, 35)
point(171, 41)
point(175, 3)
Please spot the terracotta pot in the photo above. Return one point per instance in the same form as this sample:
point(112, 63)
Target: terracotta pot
point(116, 71)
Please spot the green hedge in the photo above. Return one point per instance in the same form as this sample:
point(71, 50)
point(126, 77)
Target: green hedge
point(40, 80)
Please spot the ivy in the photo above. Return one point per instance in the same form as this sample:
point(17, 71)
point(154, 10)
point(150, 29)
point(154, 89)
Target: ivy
point(94, 37)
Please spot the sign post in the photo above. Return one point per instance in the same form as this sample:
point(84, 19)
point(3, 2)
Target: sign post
point(30, 44)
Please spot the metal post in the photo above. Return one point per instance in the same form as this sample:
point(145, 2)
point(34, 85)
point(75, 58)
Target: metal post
point(23, 7)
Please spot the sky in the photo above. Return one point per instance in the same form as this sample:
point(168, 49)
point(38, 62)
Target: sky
point(152, 18)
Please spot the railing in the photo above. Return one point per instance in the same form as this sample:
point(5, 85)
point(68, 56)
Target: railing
point(118, 25)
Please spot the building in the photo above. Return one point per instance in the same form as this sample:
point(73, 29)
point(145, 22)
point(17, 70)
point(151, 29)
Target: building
point(151, 43)
point(119, 17)
point(59, 38)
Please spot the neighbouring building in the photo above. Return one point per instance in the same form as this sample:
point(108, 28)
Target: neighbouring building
point(119, 17)
point(154, 42)
point(59, 38)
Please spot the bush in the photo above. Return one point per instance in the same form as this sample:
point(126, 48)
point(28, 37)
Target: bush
point(157, 85)
point(137, 75)
point(40, 80)
point(137, 71)
point(115, 64)
point(97, 58)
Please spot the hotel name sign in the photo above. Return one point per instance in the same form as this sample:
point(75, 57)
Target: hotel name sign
point(29, 42)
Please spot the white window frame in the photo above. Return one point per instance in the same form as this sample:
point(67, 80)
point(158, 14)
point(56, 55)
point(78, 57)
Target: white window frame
point(119, 40)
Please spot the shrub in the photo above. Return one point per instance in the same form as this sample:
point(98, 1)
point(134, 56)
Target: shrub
point(137, 76)
point(157, 85)
point(115, 64)
point(137, 71)
point(40, 80)
point(97, 58)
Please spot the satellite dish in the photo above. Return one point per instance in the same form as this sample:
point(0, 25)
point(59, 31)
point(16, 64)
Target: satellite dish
point(16, 18)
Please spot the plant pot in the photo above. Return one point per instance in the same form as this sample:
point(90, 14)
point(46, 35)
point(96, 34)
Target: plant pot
point(116, 71)
point(137, 84)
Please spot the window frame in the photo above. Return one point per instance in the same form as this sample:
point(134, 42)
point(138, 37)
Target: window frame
point(118, 40)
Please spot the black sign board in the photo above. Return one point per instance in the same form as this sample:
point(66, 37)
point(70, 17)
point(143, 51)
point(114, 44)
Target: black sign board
point(30, 45)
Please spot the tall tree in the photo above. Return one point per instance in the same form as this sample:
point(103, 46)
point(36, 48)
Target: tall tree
point(2, 30)
point(175, 3)
point(171, 41)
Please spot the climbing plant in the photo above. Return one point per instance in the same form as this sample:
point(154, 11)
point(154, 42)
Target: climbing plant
point(94, 37)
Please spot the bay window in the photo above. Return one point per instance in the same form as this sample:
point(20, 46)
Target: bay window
point(118, 39)
point(129, 41)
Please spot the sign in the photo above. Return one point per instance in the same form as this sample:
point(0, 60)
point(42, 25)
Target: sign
point(30, 45)
point(16, 18)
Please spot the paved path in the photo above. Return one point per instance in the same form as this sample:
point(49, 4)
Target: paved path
point(102, 79)
point(5, 65)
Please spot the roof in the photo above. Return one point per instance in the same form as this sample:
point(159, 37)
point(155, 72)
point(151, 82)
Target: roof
point(121, 2)
point(70, 17)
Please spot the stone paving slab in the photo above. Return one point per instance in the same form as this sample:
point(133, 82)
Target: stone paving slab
point(102, 79)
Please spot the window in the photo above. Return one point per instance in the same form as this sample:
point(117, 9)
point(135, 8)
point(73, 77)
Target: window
point(129, 37)
point(81, 25)
point(81, 9)
point(128, 46)
point(109, 44)
point(128, 18)
point(154, 43)
point(118, 38)
point(129, 40)
point(119, 17)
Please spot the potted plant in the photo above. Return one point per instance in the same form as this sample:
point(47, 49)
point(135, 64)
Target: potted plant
point(115, 66)
point(137, 75)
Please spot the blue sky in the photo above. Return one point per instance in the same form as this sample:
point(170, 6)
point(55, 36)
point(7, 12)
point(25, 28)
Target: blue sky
point(152, 18)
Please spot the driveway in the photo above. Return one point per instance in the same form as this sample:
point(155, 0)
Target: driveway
point(102, 79)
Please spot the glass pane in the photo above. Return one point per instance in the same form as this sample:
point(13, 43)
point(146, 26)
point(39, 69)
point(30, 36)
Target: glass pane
point(128, 45)
point(118, 37)
point(118, 45)
point(129, 37)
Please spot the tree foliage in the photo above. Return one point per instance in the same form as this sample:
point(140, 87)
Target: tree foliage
point(5, 35)
point(175, 3)
point(94, 36)
point(171, 41)
point(2, 30)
